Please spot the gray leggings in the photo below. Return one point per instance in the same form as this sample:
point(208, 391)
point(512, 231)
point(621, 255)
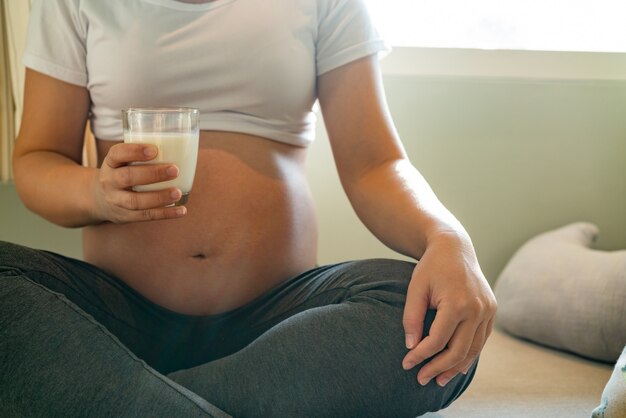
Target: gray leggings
point(76, 341)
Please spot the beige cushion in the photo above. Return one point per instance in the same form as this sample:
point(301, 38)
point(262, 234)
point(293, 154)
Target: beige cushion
point(558, 292)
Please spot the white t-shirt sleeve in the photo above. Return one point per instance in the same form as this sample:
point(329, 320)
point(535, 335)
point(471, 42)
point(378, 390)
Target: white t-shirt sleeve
point(345, 33)
point(55, 43)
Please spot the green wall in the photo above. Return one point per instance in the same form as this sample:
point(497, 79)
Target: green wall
point(511, 158)
point(19, 225)
point(514, 159)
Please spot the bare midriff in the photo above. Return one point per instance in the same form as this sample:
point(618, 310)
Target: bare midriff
point(250, 225)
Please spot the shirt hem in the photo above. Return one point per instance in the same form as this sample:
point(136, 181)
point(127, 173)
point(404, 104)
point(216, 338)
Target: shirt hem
point(177, 5)
point(226, 126)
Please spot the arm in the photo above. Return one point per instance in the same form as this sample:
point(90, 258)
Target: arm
point(395, 202)
point(48, 175)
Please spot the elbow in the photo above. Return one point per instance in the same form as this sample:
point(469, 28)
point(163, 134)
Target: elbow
point(374, 174)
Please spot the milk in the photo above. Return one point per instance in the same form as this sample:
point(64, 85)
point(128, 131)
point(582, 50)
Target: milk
point(180, 149)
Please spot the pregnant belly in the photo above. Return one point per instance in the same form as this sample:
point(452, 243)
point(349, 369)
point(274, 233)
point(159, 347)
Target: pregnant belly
point(250, 224)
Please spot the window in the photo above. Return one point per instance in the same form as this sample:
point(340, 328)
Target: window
point(541, 25)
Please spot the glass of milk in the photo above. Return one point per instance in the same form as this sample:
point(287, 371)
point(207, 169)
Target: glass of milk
point(174, 131)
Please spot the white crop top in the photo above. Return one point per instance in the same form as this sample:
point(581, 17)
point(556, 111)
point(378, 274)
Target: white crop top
point(250, 66)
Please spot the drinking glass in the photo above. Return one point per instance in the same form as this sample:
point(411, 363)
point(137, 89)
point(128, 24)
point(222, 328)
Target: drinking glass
point(174, 131)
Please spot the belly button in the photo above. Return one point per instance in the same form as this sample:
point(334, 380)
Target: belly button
point(200, 256)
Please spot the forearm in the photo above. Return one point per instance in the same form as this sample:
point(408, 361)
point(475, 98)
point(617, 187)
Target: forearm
point(56, 188)
point(398, 206)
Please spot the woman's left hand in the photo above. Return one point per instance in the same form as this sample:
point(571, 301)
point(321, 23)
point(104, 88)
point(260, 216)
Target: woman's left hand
point(447, 278)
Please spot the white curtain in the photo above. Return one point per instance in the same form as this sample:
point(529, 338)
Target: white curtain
point(13, 26)
point(13, 23)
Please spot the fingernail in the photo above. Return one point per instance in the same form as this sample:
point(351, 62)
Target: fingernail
point(423, 380)
point(181, 211)
point(410, 341)
point(176, 194)
point(467, 369)
point(172, 171)
point(149, 151)
point(408, 365)
point(442, 382)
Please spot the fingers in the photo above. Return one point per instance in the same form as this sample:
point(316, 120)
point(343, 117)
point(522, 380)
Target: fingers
point(449, 281)
point(437, 367)
point(453, 353)
point(414, 313)
point(480, 339)
point(155, 214)
point(138, 201)
point(127, 206)
point(120, 173)
point(134, 175)
point(123, 154)
point(440, 333)
point(123, 168)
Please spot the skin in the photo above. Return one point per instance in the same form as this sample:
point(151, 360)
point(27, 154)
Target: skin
point(250, 211)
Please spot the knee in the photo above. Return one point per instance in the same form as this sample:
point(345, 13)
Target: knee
point(382, 284)
point(14, 257)
point(393, 275)
point(15, 290)
point(9, 256)
point(433, 398)
point(11, 253)
point(454, 389)
point(19, 262)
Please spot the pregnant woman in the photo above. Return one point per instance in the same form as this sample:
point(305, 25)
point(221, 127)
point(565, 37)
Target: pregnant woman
point(217, 307)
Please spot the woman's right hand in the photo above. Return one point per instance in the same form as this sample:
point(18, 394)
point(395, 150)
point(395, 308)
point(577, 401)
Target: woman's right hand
point(117, 202)
point(51, 180)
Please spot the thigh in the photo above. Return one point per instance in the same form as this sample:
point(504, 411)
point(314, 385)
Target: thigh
point(58, 361)
point(382, 279)
point(331, 346)
point(148, 330)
